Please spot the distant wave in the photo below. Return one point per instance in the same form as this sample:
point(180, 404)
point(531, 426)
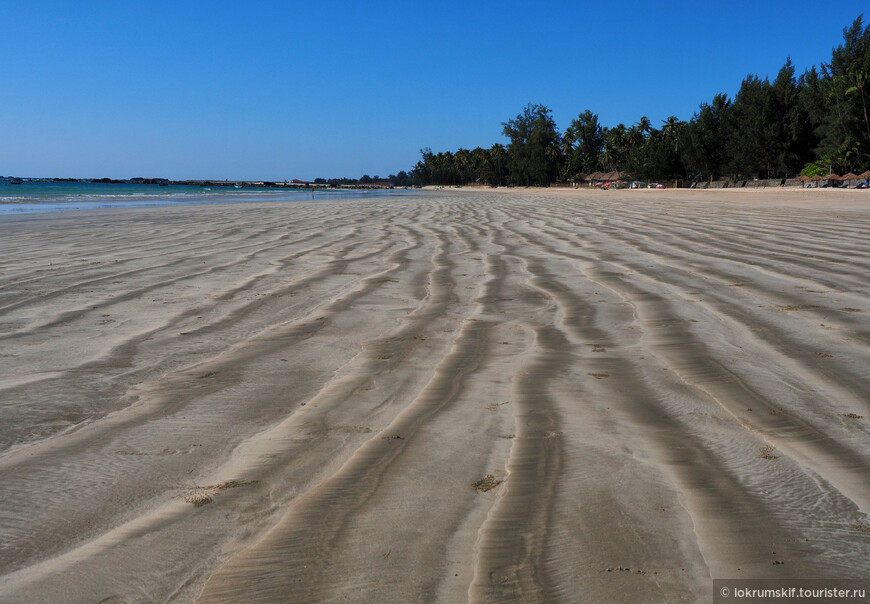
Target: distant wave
point(87, 196)
point(40, 198)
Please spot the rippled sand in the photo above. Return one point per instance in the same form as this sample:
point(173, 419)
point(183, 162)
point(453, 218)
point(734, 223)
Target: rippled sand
point(467, 395)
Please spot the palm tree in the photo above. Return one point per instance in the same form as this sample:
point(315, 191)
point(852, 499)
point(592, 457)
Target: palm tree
point(462, 163)
point(673, 130)
point(617, 141)
point(644, 125)
point(640, 131)
point(479, 163)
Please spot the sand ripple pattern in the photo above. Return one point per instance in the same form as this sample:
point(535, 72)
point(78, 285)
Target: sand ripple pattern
point(482, 396)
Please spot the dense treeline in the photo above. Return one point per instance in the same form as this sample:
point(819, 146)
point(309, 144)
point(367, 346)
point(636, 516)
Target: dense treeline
point(402, 179)
point(811, 123)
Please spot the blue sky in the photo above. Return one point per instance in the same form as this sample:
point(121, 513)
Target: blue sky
point(281, 90)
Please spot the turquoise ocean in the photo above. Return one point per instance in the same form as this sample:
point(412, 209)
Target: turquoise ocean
point(37, 197)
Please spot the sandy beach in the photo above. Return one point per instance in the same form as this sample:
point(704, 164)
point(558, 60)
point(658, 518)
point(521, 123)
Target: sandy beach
point(468, 395)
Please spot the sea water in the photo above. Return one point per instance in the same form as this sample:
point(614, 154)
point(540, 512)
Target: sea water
point(37, 197)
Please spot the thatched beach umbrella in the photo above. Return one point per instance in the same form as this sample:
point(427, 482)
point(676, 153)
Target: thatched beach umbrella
point(864, 174)
point(817, 178)
point(802, 178)
point(833, 177)
point(850, 176)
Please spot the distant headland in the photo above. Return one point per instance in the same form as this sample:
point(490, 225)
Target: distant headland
point(365, 182)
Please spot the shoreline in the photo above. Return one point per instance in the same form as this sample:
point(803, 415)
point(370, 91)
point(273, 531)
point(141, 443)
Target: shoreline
point(470, 394)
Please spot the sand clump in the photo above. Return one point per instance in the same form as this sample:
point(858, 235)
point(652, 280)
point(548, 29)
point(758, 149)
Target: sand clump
point(487, 483)
point(200, 496)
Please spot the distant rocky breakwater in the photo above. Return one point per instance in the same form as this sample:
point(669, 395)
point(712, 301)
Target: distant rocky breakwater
point(196, 183)
point(294, 184)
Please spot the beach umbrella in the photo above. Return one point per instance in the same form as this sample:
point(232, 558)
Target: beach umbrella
point(850, 176)
point(817, 178)
point(833, 177)
point(864, 174)
point(802, 178)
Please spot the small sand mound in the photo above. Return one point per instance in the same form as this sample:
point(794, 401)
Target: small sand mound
point(487, 483)
point(861, 527)
point(198, 496)
point(767, 452)
point(800, 307)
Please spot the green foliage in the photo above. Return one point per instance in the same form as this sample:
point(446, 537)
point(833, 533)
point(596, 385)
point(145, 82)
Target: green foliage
point(534, 151)
point(481, 166)
point(617, 146)
point(402, 179)
point(657, 157)
point(768, 130)
point(820, 167)
point(582, 146)
point(841, 118)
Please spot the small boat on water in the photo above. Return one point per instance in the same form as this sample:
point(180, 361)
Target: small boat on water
point(16, 181)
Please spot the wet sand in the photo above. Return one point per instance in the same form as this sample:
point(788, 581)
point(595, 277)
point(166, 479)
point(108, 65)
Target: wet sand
point(485, 396)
